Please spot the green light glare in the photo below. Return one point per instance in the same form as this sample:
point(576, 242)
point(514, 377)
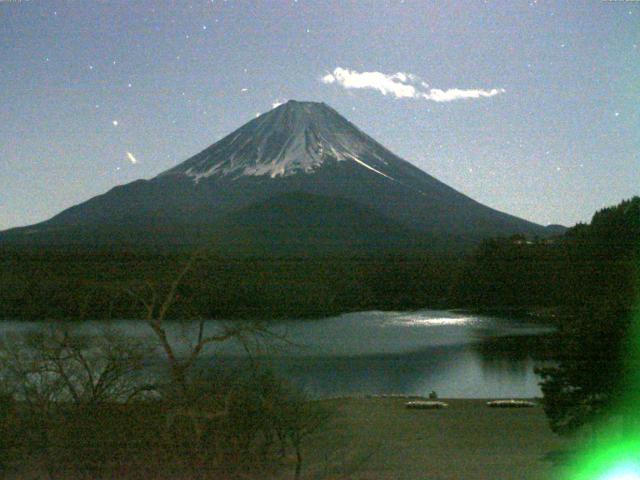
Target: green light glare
point(614, 453)
point(608, 460)
point(624, 471)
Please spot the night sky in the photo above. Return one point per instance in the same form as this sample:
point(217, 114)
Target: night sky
point(532, 108)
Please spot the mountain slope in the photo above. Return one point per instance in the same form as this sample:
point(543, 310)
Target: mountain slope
point(306, 224)
point(301, 147)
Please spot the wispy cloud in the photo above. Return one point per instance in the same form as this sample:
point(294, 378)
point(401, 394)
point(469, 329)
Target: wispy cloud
point(402, 85)
point(451, 94)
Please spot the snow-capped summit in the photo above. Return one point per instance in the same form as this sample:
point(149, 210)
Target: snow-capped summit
point(295, 137)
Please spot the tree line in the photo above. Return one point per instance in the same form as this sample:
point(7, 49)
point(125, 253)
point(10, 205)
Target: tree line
point(59, 284)
point(588, 265)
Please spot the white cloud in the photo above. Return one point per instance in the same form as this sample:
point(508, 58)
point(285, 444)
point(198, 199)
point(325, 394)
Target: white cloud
point(277, 103)
point(131, 158)
point(402, 85)
point(386, 84)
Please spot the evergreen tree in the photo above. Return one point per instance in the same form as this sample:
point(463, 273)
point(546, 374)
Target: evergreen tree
point(595, 365)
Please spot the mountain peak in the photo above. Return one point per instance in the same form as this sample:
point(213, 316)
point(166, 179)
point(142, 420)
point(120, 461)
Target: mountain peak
point(300, 108)
point(295, 137)
point(303, 105)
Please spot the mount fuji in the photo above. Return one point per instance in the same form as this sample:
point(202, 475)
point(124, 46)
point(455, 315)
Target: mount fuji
point(299, 173)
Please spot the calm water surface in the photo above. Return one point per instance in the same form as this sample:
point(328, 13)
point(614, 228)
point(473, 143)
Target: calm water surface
point(458, 355)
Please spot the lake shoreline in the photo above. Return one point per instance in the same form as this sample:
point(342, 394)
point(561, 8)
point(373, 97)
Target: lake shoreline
point(402, 396)
point(548, 315)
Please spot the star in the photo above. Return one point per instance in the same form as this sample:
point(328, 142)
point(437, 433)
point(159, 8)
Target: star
point(616, 114)
point(115, 123)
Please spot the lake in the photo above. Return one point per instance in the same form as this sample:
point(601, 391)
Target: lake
point(456, 354)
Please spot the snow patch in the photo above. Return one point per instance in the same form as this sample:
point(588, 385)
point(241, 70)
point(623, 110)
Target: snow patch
point(293, 138)
point(356, 159)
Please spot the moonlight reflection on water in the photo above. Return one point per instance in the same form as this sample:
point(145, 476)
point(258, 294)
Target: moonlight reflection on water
point(458, 355)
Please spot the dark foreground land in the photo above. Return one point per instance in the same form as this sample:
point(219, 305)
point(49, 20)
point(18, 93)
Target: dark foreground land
point(378, 438)
point(365, 438)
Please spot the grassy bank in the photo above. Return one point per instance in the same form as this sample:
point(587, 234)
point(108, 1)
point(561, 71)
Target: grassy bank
point(378, 438)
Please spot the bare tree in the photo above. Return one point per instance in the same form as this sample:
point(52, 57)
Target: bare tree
point(300, 419)
point(61, 380)
point(188, 400)
point(262, 409)
point(156, 308)
point(62, 365)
